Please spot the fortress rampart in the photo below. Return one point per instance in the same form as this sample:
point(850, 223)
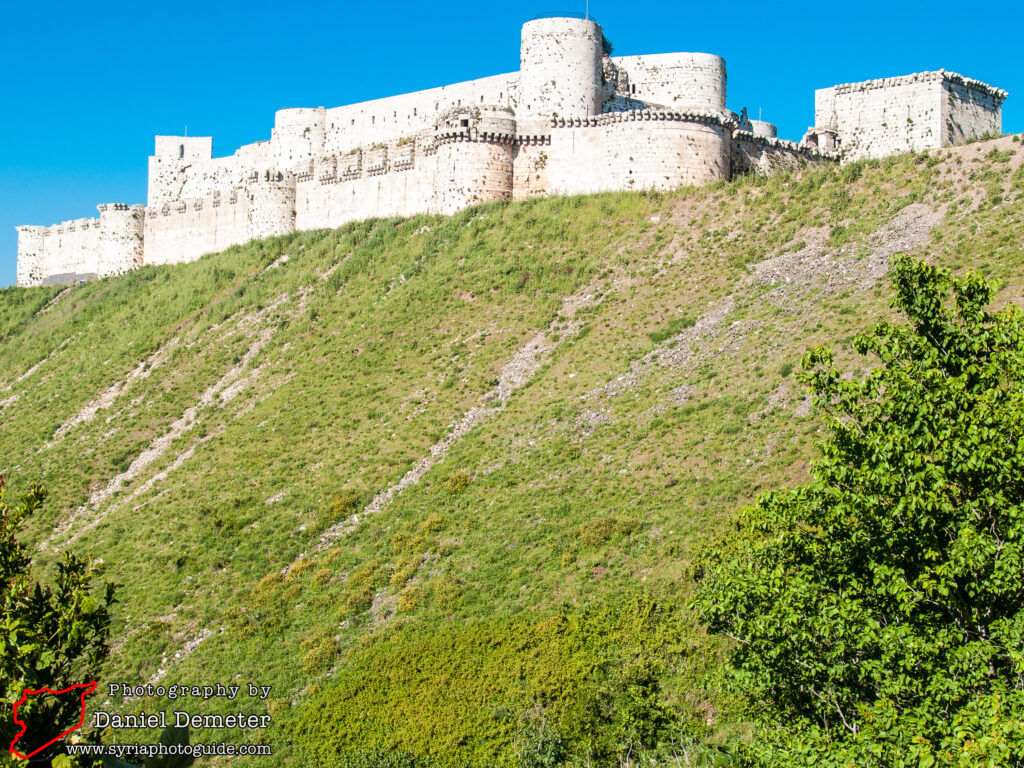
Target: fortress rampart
point(572, 120)
point(83, 248)
point(925, 110)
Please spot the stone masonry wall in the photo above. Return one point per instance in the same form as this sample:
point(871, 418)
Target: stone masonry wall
point(560, 68)
point(763, 155)
point(390, 180)
point(678, 81)
point(926, 110)
point(882, 118)
point(571, 121)
point(31, 250)
point(122, 233)
point(638, 150)
point(970, 109)
point(185, 230)
point(172, 157)
point(196, 174)
point(82, 248)
point(396, 117)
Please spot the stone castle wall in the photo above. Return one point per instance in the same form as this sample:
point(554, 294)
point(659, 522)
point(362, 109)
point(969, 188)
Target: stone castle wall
point(111, 244)
point(185, 230)
point(639, 150)
point(970, 109)
point(571, 121)
point(922, 111)
point(678, 81)
point(560, 68)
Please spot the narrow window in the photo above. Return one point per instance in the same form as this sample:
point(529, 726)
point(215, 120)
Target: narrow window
point(353, 121)
point(481, 98)
point(181, 152)
point(373, 120)
point(414, 113)
point(634, 89)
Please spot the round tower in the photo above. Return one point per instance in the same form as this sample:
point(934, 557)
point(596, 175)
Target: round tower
point(475, 152)
point(560, 68)
point(680, 81)
point(31, 249)
point(298, 136)
point(122, 229)
point(764, 129)
point(271, 204)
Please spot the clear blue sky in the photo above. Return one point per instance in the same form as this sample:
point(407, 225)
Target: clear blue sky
point(87, 85)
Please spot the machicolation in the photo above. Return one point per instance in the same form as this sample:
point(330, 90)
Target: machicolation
point(572, 120)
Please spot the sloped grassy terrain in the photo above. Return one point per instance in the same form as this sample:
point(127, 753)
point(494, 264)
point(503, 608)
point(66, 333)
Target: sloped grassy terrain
point(441, 482)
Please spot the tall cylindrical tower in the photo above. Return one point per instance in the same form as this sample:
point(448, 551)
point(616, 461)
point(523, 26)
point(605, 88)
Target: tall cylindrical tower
point(764, 129)
point(122, 232)
point(298, 137)
point(271, 204)
point(560, 68)
point(474, 159)
point(31, 248)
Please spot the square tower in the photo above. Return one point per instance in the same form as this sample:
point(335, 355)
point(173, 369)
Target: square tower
point(912, 113)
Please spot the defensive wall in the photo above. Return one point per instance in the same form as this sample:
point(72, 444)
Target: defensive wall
point(82, 248)
point(926, 110)
point(572, 120)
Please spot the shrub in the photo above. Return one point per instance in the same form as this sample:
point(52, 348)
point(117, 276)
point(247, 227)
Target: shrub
point(877, 611)
point(456, 482)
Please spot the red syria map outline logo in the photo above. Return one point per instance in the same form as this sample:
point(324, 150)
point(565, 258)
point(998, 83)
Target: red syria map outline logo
point(87, 688)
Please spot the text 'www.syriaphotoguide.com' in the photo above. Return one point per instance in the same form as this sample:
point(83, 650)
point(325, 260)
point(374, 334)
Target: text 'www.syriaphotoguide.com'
point(162, 750)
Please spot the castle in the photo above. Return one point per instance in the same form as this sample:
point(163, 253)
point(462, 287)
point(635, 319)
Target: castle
point(572, 120)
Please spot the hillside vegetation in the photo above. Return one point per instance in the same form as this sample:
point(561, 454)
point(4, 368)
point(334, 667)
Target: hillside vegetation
point(441, 482)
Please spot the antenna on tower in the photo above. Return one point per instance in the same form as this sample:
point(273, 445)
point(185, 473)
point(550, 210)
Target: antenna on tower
point(186, 129)
point(587, 14)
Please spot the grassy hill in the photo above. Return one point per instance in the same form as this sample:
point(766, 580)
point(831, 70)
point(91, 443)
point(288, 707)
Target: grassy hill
point(440, 482)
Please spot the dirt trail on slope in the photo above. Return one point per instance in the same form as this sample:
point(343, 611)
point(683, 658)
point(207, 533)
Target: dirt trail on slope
point(106, 399)
point(516, 373)
point(709, 336)
point(815, 267)
point(235, 380)
point(793, 275)
point(8, 402)
point(49, 305)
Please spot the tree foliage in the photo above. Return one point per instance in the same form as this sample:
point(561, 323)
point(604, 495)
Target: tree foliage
point(50, 637)
point(876, 611)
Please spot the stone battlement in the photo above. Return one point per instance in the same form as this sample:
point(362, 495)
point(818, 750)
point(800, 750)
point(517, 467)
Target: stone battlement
point(572, 120)
point(785, 145)
point(998, 95)
point(724, 119)
point(925, 110)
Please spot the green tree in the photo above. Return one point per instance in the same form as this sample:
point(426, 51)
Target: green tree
point(877, 611)
point(52, 637)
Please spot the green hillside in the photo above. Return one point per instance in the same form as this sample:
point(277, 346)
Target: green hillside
point(441, 482)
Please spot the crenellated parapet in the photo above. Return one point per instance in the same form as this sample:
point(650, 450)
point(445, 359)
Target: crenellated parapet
point(924, 110)
point(31, 255)
point(572, 120)
point(488, 125)
point(716, 117)
point(82, 248)
point(997, 95)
